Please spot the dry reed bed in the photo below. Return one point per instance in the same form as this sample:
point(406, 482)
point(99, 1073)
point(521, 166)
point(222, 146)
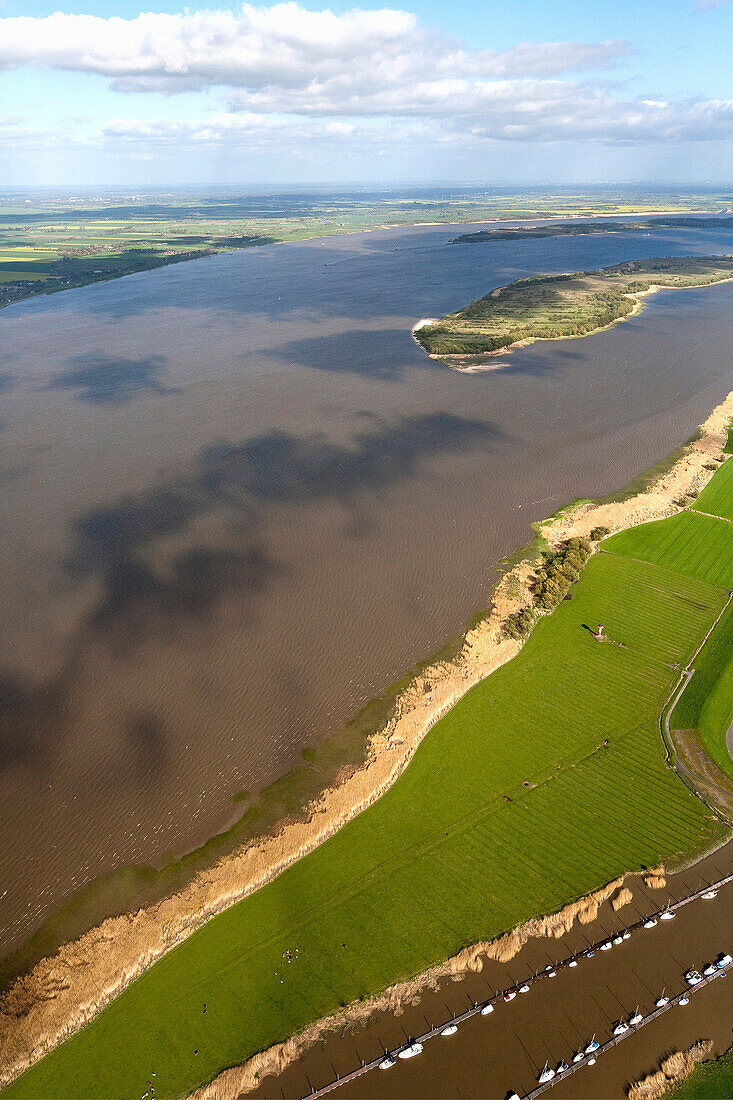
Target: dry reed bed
point(65, 991)
point(672, 1070)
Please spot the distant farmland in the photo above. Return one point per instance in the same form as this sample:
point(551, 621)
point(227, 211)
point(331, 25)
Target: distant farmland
point(546, 780)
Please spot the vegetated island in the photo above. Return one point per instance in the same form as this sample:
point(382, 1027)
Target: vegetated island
point(548, 307)
point(537, 784)
point(583, 229)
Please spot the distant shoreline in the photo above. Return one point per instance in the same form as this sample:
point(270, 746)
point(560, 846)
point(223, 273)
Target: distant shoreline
point(153, 263)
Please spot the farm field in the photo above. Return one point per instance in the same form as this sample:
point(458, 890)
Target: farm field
point(717, 496)
point(550, 306)
point(545, 781)
point(706, 704)
point(690, 543)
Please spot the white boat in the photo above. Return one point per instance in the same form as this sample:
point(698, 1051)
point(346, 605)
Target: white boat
point(606, 946)
point(578, 1057)
point(513, 1096)
point(626, 936)
point(592, 1045)
point(692, 977)
point(684, 1000)
point(635, 1019)
point(651, 923)
point(667, 915)
point(662, 1001)
point(411, 1051)
point(546, 1075)
point(723, 961)
point(710, 894)
point(562, 1066)
point(524, 988)
point(621, 1027)
point(618, 939)
point(487, 1010)
point(451, 1029)
point(510, 996)
point(573, 962)
point(591, 1061)
point(552, 974)
point(709, 969)
point(387, 1061)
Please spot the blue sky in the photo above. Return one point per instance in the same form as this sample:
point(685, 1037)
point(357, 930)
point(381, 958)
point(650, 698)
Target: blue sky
point(515, 91)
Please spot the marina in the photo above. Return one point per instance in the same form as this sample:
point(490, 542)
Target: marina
point(594, 1048)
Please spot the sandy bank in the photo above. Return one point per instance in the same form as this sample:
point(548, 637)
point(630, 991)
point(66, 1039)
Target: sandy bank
point(65, 991)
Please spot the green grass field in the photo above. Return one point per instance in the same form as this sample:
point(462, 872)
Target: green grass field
point(710, 1081)
point(706, 705)
point(689, 543)
point(717, 496)
point(545, 781)
point(700, 546)
point(549, 306)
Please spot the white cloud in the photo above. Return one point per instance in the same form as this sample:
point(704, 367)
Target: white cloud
point(283, 52)
point(358, 80)
point(534, 112)
point(707, 5)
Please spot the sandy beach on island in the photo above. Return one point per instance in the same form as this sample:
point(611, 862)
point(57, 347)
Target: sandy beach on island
point(65, 991)
point(485, 361)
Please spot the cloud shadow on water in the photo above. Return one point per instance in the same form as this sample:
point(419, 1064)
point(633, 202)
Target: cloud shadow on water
point(385, 356)
point(148, 590)
point(103, 379)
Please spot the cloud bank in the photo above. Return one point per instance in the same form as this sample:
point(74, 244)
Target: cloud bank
point(281, 53)
point(283, 77)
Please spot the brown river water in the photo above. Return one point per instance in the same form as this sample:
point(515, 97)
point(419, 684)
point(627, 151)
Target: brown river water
point(238, 501)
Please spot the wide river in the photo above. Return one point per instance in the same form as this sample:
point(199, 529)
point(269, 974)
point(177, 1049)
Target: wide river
point(238, 501)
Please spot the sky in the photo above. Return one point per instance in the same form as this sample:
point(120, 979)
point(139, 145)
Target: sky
point(106, 92)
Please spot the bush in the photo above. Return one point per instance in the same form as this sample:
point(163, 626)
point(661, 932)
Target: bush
point(520, 623)
point(560, 570)
point(599, 533)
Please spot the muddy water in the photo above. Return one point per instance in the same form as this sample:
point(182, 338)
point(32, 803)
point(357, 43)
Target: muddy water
point(237, 501)
point(496, 1055)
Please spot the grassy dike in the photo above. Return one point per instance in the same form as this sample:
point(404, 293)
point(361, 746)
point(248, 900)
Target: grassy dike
point(546, 780)
point(547, 307)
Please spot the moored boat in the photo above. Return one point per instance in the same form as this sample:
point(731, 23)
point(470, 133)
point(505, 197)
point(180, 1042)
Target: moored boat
point(411, 1051)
